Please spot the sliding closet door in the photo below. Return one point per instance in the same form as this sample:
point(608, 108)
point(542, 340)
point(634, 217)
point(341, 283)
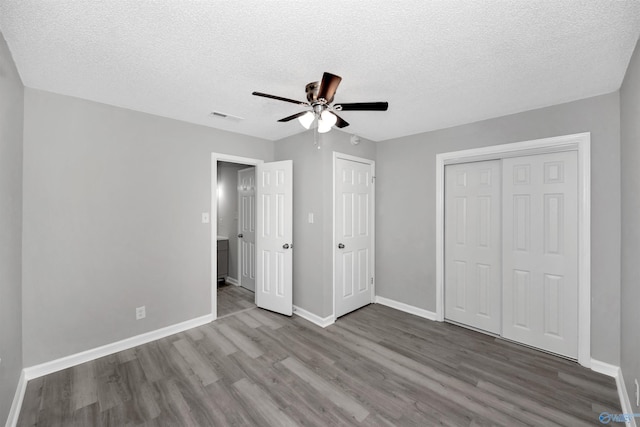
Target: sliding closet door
point(472, 245)
point(540, 251)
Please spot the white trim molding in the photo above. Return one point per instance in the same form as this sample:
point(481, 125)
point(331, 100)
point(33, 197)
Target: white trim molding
point(46, 368)
point(625, 402)
point(323, 322)
point(421, 312)
point(14, 412)
point(581, 143)
point(616, 372)
point(232, 281)
point(604, 368)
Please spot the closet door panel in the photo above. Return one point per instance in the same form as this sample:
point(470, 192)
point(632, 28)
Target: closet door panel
point(472, 245)
point(540, 251)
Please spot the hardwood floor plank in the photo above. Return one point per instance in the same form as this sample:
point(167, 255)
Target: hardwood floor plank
point(199, 365)
point(85, 416)
point(175, 410)
point(240, 340)
point(85, 390)
point(262, 406)
point(32, 402)
point(219, 341)
point(248, 320)
point(265, 318)
point(232, 299)
point(330, 391)
point(231, 411)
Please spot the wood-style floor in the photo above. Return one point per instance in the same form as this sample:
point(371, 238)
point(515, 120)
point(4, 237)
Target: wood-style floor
point(232, 299)
point(375, 367)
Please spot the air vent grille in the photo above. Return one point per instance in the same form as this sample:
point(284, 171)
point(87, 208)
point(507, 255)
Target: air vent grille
point(226, 116)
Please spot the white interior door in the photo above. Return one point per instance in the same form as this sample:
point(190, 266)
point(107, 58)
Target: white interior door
point(247, 227)
point(540, 251)
point(473, 245)
point(274, 235)
point(353, 204)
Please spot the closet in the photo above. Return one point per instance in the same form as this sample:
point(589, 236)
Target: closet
point(511, 249)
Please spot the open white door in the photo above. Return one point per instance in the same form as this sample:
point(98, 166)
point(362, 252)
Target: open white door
point(274, 235)
point(247, 227)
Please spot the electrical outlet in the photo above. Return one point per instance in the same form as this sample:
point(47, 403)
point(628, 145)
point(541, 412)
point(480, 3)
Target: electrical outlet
point(141, 312)
point(637, 393)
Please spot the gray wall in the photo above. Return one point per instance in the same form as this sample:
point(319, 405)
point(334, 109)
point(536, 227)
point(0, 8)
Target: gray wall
point(405, 229)
point(11, 121)
point(630, 268)
point(112, 220)
point(228, 211)
point(313, 193)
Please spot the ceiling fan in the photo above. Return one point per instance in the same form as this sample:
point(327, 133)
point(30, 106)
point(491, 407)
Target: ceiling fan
point(319, 99)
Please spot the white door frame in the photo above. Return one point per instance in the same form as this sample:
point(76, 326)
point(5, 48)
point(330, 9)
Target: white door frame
point(372, 163)
point(215, 158)
point(581, 143)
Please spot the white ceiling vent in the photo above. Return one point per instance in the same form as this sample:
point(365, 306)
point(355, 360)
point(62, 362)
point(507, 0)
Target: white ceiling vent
point(221, 115)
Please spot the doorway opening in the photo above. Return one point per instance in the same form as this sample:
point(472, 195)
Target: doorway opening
point(235, 239)
point(227, 293)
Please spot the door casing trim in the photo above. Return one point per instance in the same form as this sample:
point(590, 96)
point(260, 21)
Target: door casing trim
point(580, 142)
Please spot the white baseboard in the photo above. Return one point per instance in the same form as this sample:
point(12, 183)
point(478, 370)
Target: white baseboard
point(604, 368)
point(14, 412)
point(625, 402)
point(307, 315)
point(105, 350)
point(406, 308)
point(616, 372)
point(232, 281)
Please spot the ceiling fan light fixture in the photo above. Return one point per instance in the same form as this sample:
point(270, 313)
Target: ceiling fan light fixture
point(328, 118)
point(323, 127)
point(326, 121)
point(307, 119)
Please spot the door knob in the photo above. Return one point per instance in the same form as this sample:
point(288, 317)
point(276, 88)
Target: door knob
point(340, 246)
point(285, 246)
point(240, 236)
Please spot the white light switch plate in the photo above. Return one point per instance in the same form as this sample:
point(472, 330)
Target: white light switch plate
point(310, 217)
point(205, 217)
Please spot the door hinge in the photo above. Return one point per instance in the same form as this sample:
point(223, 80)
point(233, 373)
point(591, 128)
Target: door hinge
point(373, 179)
point(372, 280)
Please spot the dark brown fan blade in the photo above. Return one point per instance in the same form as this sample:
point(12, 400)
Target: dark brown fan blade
point(328, 86)
point(340, 123)
point(294, 116)
point(279, 98)
point(363, 106)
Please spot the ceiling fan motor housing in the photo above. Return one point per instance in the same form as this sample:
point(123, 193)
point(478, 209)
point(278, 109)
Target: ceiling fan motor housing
point(312, 93)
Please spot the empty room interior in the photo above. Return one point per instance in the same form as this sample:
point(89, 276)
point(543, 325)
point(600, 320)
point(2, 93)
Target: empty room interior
point(339, 213)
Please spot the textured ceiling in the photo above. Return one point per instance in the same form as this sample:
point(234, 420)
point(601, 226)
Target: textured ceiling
point(437, 63)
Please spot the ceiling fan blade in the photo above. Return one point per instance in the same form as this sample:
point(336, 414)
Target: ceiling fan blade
point(328, 86)
point(293, 116)
point(340, 123)
point(279, 98)
point(363, 106)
